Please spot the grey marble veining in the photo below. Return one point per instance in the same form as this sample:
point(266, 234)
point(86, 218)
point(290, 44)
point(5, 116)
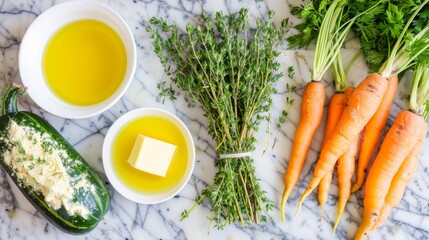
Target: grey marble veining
point(127, 220)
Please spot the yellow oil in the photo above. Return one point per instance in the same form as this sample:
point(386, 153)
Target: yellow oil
point(85, 62)
point(153, 127)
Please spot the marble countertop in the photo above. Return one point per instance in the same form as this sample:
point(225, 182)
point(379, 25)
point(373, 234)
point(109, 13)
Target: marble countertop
point(127, 220)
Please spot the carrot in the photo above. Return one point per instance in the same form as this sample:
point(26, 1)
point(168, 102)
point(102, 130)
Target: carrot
point(401, 179)
point(398, 156)
point(397, 144)
point(311, 116)
point(348, 92)
point(323, 193)
point(345, 168)
point(418, 104)
point(332, 33)
point(336, 106)
point(372, 131)
point(335, 109)
point(366, 99)
point(362, 105)
point(329, 40)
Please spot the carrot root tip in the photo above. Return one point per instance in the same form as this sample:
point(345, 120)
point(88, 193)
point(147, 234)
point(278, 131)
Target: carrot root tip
point(337, 221)
point(299, 206)
point(285, 196)
point(297, 210)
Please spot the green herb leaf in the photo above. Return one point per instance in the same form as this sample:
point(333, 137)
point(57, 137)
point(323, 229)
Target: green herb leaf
point(21, 149)
point(47, 147)
point(291, 72)
point(41, 161)
point(166, 92)
point(21, 159)
point(31, 166)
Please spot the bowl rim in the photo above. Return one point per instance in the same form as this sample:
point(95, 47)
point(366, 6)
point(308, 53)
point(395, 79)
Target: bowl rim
point(107, 159)
point(64, 109)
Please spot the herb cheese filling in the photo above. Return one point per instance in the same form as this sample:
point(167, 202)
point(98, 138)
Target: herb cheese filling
point(37, 162)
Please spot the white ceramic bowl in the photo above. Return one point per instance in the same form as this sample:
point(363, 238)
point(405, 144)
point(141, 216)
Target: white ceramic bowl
point(40, 32)
point(121, 187)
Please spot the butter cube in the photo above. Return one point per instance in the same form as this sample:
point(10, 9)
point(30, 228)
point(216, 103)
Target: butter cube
point(151, 155)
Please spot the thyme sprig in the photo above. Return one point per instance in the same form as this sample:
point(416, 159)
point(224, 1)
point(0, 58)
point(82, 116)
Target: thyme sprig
point(289, 102)
point(230, 70)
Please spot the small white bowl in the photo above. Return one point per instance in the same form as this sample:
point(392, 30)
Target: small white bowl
point(38, 35)
point(114, 179)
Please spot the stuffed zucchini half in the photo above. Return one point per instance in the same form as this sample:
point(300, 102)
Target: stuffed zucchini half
point(53, 176)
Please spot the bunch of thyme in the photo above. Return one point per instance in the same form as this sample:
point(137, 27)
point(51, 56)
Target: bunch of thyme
point(229, 69)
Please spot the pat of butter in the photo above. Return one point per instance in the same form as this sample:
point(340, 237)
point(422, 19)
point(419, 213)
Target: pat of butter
point(151, 155)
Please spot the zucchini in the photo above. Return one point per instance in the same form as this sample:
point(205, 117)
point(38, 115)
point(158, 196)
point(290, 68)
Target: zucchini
point(52, 175)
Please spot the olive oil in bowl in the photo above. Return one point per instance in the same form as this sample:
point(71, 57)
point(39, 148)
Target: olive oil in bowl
point(85, 62)
point(120, 140)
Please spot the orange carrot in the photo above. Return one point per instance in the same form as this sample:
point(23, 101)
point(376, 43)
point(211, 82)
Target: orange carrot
point(311, 116)
point(345, 168)
point(372, 131)
point(396, 146)
point(336, 106)
point(362, 105)
point(323, 193)
point(401, 179)
point(349, 91)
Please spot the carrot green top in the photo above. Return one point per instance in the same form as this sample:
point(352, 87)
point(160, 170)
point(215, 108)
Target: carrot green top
point(331, 36)
point(340, 76)
point(419, 98)
point(407, 48)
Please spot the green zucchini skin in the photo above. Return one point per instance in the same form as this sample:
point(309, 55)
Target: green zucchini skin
point(95, 198)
